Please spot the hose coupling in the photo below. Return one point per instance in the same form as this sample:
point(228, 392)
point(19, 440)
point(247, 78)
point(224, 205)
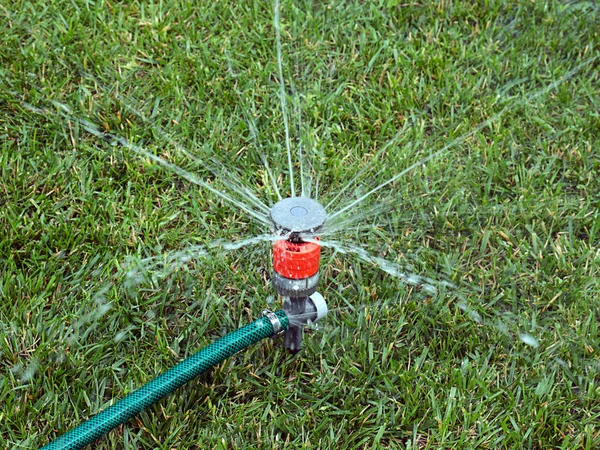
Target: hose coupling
point(275, 322)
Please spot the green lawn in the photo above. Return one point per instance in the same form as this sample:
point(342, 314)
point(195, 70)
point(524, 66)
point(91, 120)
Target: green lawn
point(114, 267)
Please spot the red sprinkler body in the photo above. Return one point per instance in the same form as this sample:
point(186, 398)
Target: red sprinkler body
point(296, 260)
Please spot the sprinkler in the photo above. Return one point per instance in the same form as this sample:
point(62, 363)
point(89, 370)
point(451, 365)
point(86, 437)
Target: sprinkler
point(296, 275)
point(296, 260)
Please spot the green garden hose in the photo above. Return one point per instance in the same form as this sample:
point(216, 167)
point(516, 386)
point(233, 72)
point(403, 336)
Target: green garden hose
point(169, 381)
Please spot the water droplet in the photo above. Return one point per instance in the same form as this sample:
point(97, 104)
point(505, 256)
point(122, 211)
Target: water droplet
point(529, 340)
point(120, 336)
point(561, 362)
point(30, 371)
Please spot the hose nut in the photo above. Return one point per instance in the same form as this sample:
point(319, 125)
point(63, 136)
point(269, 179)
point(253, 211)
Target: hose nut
point(275, 322)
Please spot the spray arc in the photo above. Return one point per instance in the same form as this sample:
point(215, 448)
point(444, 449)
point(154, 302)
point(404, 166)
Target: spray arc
point(296, 259)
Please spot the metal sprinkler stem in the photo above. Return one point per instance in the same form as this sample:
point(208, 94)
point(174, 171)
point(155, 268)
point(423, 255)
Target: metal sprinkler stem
point(296, 261)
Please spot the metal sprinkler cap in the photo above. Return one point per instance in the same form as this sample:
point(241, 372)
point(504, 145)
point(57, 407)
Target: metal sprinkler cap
point(298, 215)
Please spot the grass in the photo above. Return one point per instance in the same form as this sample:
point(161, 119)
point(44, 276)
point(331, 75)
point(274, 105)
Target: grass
point(508, 359)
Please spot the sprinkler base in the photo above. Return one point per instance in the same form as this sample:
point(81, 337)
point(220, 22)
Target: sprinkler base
point(301, 311)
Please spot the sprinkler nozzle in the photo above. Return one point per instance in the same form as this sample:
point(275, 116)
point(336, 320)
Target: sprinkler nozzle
point(297, 216)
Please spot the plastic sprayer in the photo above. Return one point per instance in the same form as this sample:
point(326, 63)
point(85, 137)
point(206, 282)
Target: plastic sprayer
point(296, 258)
point(295, 277)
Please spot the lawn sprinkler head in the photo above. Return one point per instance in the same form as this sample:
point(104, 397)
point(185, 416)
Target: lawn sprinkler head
point(296, 261)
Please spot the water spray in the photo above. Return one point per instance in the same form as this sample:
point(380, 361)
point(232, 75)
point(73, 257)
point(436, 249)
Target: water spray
point(296, 258)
